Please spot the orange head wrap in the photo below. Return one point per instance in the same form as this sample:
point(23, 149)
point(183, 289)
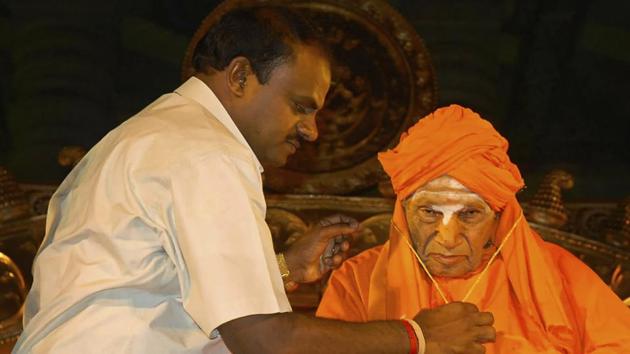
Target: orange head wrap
point(475, 154)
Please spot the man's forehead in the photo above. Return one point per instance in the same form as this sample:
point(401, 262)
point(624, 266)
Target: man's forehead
point(306, 76)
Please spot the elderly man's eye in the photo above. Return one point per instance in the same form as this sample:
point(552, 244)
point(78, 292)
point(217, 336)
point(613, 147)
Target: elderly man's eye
point(429, 214)
point(470, 214)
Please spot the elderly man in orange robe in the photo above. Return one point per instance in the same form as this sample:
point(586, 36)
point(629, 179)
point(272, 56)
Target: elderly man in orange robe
point(459, 234)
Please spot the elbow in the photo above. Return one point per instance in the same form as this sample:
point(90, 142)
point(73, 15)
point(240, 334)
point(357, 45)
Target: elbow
point(262, 334)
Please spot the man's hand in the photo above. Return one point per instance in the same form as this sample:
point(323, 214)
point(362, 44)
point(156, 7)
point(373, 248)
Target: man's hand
point(457, 327)
point(322, 248)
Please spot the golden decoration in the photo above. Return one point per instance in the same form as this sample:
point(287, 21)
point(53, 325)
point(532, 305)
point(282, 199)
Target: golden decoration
point(546, 206)
point(13, 202)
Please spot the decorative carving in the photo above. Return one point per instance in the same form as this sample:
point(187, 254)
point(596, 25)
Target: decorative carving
point(370, 102)
point(13, 203)
point(546, 207)
point(374, 232)
point(285, 227)
point(589, 219)
point(386, 188)
point(618, 228)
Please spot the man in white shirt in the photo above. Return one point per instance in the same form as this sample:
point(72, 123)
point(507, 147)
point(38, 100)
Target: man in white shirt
point(156, 242)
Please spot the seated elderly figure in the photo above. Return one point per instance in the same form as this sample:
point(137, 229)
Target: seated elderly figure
point(459, 234)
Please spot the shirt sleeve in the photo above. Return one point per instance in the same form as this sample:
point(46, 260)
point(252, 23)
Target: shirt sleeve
point(224, 251)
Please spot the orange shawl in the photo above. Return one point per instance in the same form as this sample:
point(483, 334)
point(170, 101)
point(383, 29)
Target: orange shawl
point(526, 278)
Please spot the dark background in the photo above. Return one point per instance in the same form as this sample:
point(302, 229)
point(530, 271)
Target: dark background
point(552, 75)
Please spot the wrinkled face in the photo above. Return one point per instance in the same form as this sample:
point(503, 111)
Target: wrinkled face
point(451, 227)
point(281, 113)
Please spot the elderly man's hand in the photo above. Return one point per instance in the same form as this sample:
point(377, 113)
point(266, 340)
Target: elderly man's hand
point(457, 327)
point(322, 248)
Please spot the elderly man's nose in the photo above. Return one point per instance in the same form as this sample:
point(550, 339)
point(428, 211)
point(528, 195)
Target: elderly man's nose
point(307, 128)
point(449, 234)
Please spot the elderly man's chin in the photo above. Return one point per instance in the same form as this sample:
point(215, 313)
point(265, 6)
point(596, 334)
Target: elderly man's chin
point(447, 266)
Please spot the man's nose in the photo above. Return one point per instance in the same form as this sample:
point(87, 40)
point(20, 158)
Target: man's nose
point(449, 235)
point(307, 128)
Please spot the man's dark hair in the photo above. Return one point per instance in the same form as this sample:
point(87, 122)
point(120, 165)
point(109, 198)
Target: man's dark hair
point(266, 36)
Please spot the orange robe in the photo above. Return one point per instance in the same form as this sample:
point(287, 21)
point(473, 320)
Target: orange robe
point(544, 299)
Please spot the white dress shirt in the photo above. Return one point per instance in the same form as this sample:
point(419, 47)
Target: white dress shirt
point(156, 238)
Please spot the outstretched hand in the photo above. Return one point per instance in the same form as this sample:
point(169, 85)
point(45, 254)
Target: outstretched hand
point(322, 248)
point(457, 327)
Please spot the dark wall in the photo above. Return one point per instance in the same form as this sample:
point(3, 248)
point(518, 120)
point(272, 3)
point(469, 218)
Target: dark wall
point(551, 75)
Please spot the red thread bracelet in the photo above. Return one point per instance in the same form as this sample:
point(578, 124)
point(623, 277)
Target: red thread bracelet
point(413, 339)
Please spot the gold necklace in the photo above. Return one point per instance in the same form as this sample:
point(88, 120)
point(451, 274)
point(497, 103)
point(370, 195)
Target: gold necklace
point(483, 272)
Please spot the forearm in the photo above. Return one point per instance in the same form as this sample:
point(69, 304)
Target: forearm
point(296, 333)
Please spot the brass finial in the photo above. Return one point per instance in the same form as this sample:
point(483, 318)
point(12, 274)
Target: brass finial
point(13, 202)
point(546, 206)
point(12, 295)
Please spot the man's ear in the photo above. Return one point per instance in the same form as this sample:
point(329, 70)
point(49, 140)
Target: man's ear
point(238, 72)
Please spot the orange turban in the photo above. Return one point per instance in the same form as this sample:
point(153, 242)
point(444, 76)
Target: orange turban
point(456, 141)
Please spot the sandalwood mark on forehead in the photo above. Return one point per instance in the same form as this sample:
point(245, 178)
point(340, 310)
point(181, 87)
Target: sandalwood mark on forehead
point(447, 196)
point(447, 211)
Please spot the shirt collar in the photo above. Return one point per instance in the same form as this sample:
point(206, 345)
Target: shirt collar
point(199, 92)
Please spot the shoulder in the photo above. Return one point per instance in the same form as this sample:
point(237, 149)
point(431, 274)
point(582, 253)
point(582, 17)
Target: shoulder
point(366, 258)
point(183, 123)
point(347, 292)
point(358, 268)
point(173, 130)
point(568, 263)
point(579, 279)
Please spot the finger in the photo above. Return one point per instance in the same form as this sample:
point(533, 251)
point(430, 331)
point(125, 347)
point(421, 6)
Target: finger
point(328, 251)
point(484, 319)
point(331, 232)
point(346, 238)
point(474, 349)
point(291, 286)
point(462, 307)
point(344, 219)
point(485, 334)
point(456, 309)
point(337, 260)
point(333, 262)
point(339, 219)
point(340, 247)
